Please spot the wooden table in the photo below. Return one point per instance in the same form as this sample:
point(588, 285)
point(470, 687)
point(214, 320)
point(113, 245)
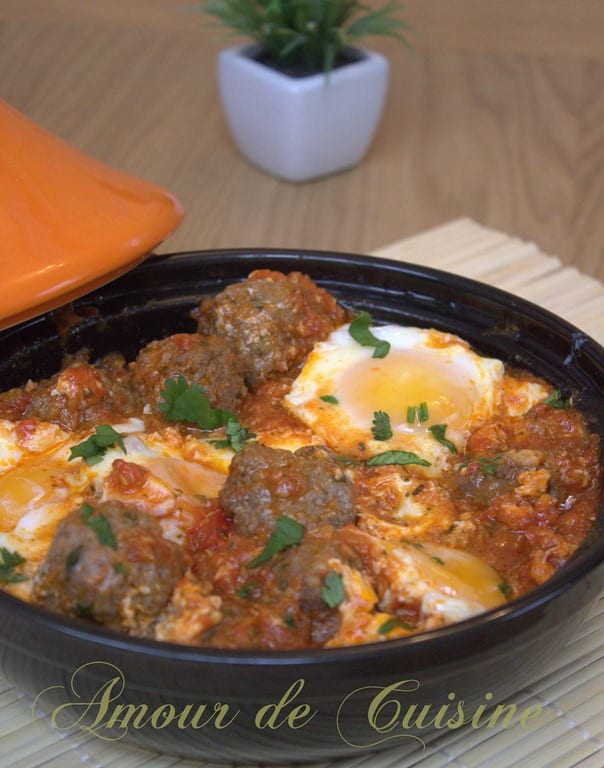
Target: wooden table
point(497, 115)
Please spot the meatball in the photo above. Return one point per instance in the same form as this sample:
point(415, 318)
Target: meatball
point(82, 395)
point(272, 321)
point(206, 360)
point(109, 562)
point(265, 483)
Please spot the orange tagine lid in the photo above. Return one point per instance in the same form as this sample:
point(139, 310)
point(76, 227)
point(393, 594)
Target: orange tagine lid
point(68, 223)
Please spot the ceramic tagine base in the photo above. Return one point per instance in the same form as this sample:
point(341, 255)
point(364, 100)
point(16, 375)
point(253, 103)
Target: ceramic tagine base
point(300, 128)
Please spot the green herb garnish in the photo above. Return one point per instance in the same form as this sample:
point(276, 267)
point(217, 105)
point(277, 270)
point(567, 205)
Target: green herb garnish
point(287, 533)
point(396, 457)
point(419, 412)
point(289, 621)
point(391, 624)
point(505, 589)
point(181, 401)
point(237, 436)
point(381, 428)
point(332, 399)
point(359, 330)
point(186, 402)
point(332, 590)
point(438, 560)
point(100, 525)
point(8, 562)
point(489, 466)
point(246, 590)
point(94, 448)
point(556, 400)
point(438, 432)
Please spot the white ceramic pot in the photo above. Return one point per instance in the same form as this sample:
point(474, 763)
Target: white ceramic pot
point(300, 128)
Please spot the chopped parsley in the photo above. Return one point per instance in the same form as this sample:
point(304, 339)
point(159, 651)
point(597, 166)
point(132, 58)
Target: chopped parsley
point(505, 589)
point(236, 438)
point(396, 457)
point(488, 466)
point(381, 428)
point(8, 562)
point(556, 400)
point(417, 412)
point(289, 621)
point(438, 432)
point(287, 533)
point(181, 401)
point(359, 330)
point(94, 448)
point(331, 399)
point(246, 590)
point(391, 624)
point(332, 590)
point(438, 560)
point(100, 525)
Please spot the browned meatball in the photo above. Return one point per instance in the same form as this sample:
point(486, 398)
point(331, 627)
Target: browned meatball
point(109, 562)
point(204, 360)
point(82, 395)
point(272, 320)
point(266, 483)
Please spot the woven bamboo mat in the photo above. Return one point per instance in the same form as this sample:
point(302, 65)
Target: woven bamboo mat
point(570, 731)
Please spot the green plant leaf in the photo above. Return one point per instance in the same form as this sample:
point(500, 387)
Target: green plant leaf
point(100, 525)
point(287, 533)
point(396, 457)
point(237, 436)
point(94, 448)
point(332, 590)
point(381, 428)
point(8, 562)
point(181, 401)
point(359, 330)
point(438, 431)
point(391, 624)
point(309, 33)
point(556, 400)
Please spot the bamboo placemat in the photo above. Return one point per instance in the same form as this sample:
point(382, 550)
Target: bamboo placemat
point(570, 731)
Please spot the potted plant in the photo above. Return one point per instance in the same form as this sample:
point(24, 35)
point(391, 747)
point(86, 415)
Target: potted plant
point(302, 100)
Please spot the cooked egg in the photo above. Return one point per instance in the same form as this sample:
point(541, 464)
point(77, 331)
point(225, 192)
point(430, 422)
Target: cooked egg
point(428, 382)
point(153, 474)
point(40, 485)
point(444, 585)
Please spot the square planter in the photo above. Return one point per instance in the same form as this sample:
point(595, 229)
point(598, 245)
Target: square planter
point(300, 128)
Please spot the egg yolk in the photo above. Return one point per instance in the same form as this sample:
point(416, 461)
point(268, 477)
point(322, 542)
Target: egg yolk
point(462, 574)
point(404, 380)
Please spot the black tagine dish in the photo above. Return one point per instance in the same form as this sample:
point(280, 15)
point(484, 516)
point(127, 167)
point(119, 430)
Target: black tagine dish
point(225, 705)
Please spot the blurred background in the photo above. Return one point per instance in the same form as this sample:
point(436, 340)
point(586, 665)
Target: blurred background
point(497, 114)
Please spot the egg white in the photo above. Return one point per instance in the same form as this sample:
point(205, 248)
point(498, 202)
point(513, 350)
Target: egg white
point(40, 484)
point(460, 389)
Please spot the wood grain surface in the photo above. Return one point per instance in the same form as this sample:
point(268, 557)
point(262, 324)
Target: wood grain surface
point(497, 114)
